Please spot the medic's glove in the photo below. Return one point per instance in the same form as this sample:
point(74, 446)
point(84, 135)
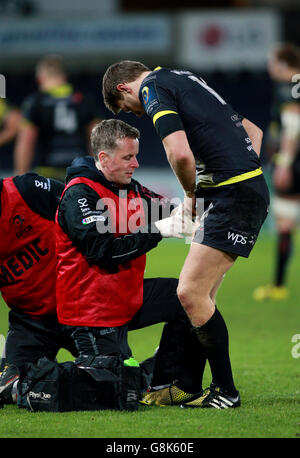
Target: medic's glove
point(176, 225)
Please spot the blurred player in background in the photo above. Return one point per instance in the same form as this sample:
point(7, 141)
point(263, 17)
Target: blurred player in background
point(57, 121)
point(205, 138)
point(28, 274)
point(283, 146)
point(101, 290)
point(9, 125)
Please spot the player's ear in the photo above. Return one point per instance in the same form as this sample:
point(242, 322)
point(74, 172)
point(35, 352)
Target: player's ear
point(123, 87)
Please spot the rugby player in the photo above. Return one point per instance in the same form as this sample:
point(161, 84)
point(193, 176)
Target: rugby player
point(57, 122)
point(283, 145)
point(214, 153)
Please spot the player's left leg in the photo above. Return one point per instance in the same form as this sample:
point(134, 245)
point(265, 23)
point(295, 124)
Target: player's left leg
point(228, 228)
point(200, 277)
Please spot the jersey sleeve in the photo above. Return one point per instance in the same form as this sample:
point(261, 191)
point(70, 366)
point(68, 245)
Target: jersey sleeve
point(29, 109)
point(41, 194)
point(160, 105)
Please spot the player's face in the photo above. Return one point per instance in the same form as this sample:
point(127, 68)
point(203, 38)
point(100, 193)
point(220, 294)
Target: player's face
point(276, 68)
point(120, 165)
point(131, 103)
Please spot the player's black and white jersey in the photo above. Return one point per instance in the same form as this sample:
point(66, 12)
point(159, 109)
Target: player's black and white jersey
point(282, 97)
point(62, 117)
point(180, 100)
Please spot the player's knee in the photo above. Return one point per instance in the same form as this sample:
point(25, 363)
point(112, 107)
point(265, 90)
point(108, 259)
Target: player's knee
point(182, 294)
point(185, 296)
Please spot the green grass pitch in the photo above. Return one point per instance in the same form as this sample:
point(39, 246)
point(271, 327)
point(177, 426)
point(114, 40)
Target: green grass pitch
point(265, 370)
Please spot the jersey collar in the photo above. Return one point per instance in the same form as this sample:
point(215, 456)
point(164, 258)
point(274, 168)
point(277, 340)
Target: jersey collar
point(63, 90)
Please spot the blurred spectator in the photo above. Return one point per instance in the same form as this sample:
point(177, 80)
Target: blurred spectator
point(283, 146)
point(57, 121)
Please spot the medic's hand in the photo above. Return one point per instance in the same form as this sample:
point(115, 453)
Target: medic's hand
point(176, 225)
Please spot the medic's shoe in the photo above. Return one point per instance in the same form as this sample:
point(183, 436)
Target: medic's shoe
point(270, 292)
point(168, 396)
point(215, 398)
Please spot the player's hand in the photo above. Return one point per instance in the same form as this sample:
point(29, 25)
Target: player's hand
point(187, 209)
point(175, 226)
point(282, 178)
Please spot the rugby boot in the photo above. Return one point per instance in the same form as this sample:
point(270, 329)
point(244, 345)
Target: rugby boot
point(214, 397)
point(167, 396)
point(270, 292)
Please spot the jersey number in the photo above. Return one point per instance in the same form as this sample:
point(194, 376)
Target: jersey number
point(65, 118)
point(207, 87)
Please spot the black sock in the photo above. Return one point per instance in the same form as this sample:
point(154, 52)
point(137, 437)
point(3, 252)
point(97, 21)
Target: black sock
point(180, 357)
point(213, 335)
point(193, 364)
point(284, 248)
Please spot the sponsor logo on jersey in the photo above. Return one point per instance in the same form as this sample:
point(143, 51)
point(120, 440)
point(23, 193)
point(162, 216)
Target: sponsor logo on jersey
point(93, 218)
point(150, 97)
point(46, 185)
point(145, 94)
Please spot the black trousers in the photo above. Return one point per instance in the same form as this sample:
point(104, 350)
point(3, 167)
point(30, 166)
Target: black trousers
point(179, 355)
point(29, 339)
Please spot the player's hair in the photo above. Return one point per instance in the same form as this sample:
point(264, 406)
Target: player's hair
point(106, 133)
point(125, 71)
point(289, 54)
point(52, 64)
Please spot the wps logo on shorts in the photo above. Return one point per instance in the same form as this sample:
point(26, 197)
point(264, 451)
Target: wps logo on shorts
point(237, 238)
